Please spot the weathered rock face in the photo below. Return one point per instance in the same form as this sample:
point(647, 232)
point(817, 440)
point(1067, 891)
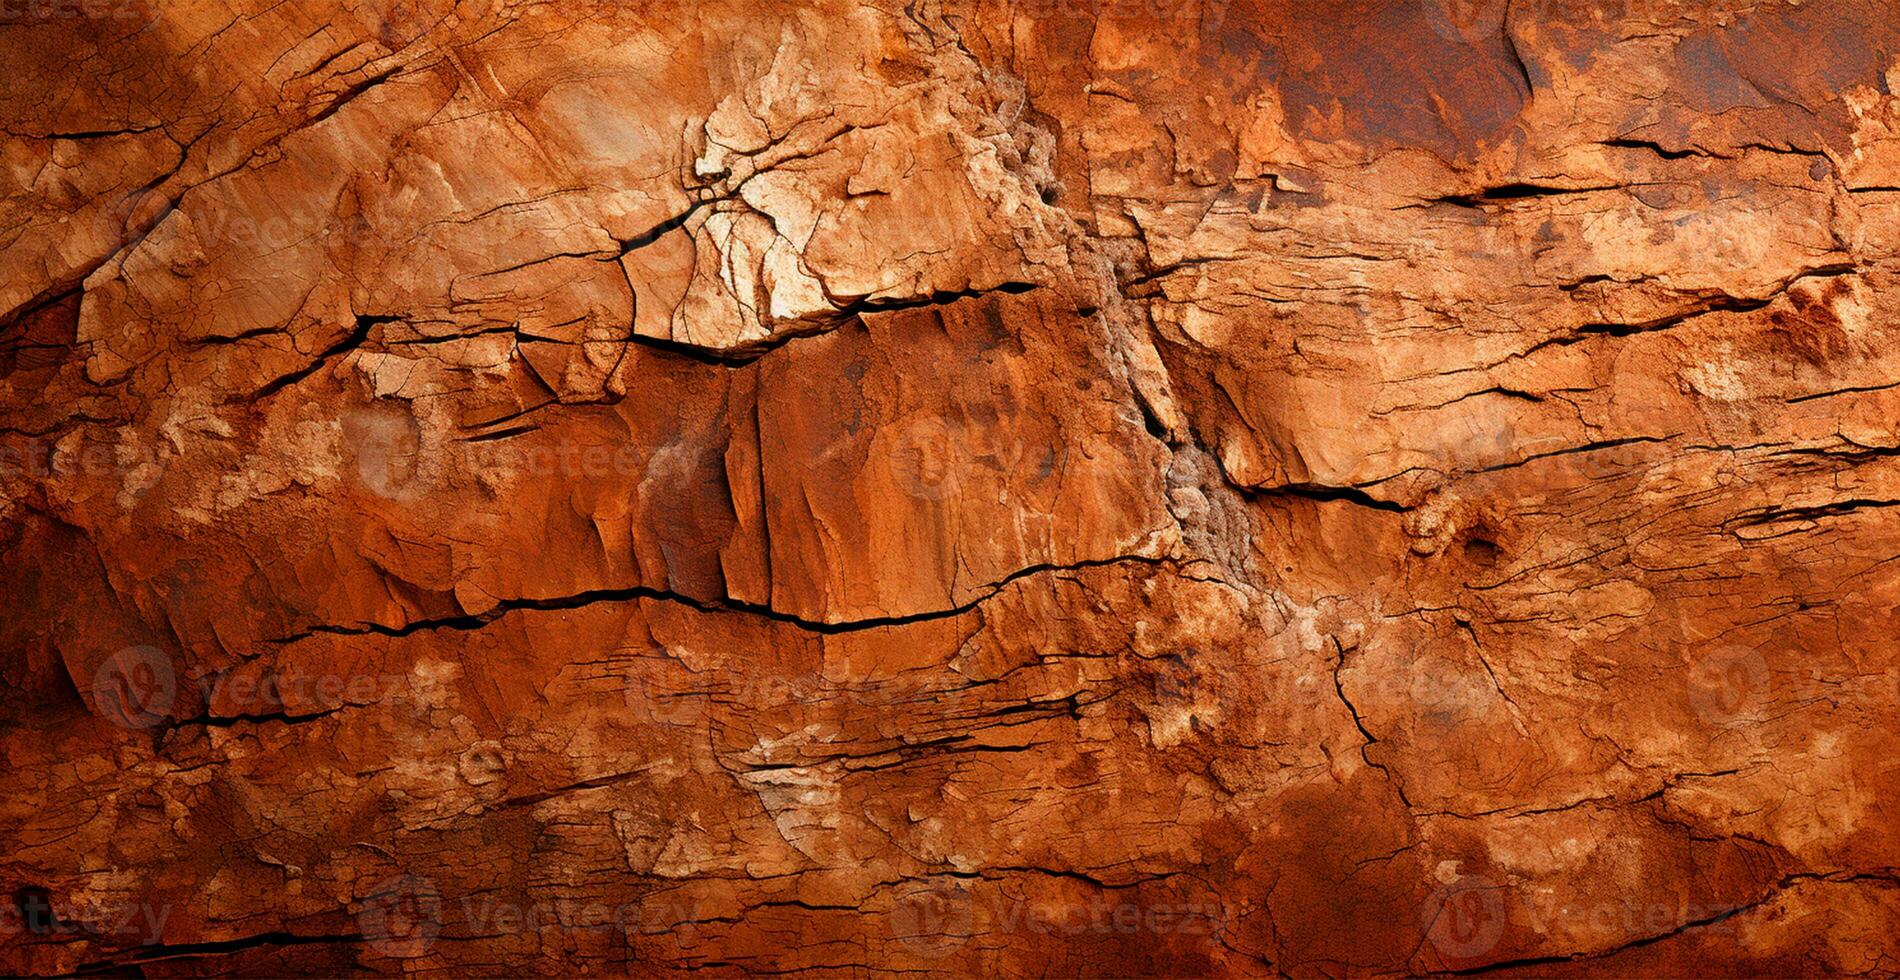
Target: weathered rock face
point(1196, 487)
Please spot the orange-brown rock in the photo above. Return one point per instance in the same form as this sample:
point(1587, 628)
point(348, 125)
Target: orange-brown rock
point(1002, 487)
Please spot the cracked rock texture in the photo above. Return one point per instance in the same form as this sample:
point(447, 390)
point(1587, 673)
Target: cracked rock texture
point(1006, 487)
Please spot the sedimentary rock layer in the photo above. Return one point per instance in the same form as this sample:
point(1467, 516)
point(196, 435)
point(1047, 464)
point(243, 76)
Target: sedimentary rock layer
point(1006, 487)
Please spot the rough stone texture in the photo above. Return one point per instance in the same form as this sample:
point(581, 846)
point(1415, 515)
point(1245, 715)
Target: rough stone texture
point(1192, 487)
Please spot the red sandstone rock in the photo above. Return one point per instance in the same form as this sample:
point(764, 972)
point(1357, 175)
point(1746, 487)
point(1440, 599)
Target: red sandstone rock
point(1108, 487)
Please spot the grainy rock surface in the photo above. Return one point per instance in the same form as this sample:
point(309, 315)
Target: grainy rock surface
point(1191, 487)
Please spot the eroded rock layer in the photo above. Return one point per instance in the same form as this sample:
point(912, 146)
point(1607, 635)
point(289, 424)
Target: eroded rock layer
point(1006, 487)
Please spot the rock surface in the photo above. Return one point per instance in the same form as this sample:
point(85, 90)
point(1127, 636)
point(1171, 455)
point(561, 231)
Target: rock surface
point(1189, 487)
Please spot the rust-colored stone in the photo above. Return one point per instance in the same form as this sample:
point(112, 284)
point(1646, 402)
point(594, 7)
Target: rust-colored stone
point(974, 487)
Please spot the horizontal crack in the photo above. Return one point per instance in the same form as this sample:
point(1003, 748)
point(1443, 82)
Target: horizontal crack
point(1588, 447)
point(1770, 515)
point(1774, 891)
point(740, 355)
point(350, 341)
point(1323, 492)
point(594, 596)
point(1519, 191)
point(216, 947)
